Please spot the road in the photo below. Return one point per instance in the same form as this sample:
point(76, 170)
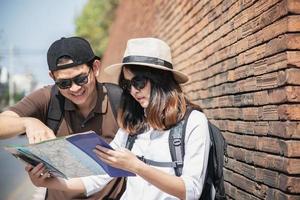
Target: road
point(14, 182)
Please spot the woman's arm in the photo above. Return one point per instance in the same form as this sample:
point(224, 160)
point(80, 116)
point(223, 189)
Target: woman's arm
point(126, 160)
point(170, 184)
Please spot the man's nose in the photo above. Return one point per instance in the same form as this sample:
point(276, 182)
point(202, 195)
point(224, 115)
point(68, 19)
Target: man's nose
point(74, 87)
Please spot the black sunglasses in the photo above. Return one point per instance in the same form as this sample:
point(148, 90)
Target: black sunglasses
point(80, 80)
point(138, 82)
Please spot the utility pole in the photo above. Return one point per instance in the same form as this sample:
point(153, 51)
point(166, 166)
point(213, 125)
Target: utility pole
point(10, 81)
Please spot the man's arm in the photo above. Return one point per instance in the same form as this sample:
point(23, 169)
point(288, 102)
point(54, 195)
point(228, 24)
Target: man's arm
point(40, 177)
point(11, 124)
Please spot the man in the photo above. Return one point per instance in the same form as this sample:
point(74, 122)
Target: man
point(81, 101)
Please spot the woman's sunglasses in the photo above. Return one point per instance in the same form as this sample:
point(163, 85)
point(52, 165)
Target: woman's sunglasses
point(138, 82)
point(80, 80)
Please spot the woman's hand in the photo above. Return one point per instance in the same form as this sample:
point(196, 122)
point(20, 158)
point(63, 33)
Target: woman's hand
point(120, 158)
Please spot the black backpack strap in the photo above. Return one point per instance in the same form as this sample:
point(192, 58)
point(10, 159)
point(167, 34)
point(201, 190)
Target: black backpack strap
point(130, 141)
point(114, 93)
point(55, 109)
point(160, 164)
point(176, 142)
point(176, 146)
point(129, 144)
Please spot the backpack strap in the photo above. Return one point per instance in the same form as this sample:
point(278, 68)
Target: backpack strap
point(57, 102)
point(55, 109)
point(114, 93)
point(129, 144)
point(176, 142)
point(176, 146)
point(130, 141)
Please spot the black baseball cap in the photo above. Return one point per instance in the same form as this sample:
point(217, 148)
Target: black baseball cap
point(76, 48)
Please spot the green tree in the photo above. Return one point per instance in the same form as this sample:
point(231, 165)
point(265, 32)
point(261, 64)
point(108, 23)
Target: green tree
point(94, 22)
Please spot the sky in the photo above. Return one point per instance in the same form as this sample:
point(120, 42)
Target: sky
point(28, 28)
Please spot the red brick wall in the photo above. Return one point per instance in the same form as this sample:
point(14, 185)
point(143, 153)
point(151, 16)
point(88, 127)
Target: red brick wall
point(243, 59)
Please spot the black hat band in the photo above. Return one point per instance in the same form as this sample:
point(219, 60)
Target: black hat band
point(148, 60)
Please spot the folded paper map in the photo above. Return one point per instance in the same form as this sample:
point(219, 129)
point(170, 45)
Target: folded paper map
point(68, 157)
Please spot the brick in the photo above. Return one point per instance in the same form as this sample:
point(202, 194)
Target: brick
point(271, 145)
point(292, 166)
point(267, 80)
point(289, 184)
point(225, 101)
point(270, 195)
point(282, 196)
point(289, 112)
point(277, 95)
point(246, 85)
point(248, 142)
point(294, 58)
point(275, 194)
point(284, 129)
point(292, 148)
point(293, 6)
point(268, 177)
point(246, 185)
point(260, 98)
point(293, 41)
point(269, 113)
point(293, 23)
point(230, 113)
point(242, 168)
point(293, 76)
point(250, 113)
point(237, 153)
point(293, 93)
point(293, 129)
point(244, 127)
point(261, 128)
point(235, 193)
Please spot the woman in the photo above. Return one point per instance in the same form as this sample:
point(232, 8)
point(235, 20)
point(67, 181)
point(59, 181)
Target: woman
point(152, 103)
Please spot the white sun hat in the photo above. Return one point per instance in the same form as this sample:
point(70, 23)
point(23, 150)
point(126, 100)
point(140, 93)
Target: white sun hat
point(151, 52)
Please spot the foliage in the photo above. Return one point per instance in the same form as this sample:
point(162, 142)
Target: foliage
point(4, 96)
point(18, 96)
point(94, 22)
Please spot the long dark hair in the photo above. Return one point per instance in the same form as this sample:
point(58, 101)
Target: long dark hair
point(167, 104)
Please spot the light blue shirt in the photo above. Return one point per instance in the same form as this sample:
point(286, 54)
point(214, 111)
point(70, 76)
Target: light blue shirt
point(154, 145)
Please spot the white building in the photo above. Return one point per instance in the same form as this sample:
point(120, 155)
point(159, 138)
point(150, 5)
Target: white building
point(3, 75)
point(23, 83)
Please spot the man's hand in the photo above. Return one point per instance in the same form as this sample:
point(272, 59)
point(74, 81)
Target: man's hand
point(11, 124)
point(37, 131)
point(38, 175)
